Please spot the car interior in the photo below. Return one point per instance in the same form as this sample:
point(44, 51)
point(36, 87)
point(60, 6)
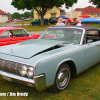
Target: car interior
point(13, 33)
point(92, 36)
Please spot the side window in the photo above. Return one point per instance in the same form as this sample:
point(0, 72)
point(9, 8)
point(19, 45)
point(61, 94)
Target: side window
point(5, 34)
point(91, 36)
point(19, 33)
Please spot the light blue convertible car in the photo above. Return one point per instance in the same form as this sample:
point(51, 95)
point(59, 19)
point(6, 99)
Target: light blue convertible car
point(50, 61)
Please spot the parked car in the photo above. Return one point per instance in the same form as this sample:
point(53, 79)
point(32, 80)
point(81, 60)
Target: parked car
point(52, 20)
point(38, 22)
point(27, 19)
point(50, 61)
point(12, 35)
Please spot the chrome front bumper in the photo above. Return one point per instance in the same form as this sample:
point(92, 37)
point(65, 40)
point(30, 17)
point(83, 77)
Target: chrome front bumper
point(38, 81)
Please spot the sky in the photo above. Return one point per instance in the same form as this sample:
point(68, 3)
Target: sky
point(6, 6)
point(79, 4)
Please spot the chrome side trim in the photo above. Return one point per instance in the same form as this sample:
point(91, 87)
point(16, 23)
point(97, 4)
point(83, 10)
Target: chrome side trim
point(17, 77)
point(55, 55)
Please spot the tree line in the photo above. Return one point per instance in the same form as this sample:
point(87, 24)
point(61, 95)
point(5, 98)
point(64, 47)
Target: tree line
point(17, 15)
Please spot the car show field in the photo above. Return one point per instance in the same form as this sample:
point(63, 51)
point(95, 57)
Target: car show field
point(50, 50)
point(79, 84)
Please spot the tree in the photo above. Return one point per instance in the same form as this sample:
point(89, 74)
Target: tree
point(27, 14)
point(22, 15)
point(95, 2)
point(16, 15)
point(41, 6)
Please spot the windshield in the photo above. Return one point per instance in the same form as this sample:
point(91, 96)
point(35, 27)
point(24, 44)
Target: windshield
point(69, 35)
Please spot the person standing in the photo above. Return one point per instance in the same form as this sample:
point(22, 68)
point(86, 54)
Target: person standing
point(78, 22)
point(60, 22)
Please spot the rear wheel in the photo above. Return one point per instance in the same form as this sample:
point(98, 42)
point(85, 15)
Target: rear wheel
point(62, 78)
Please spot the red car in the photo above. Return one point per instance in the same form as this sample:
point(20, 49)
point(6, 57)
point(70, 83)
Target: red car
point(12, 35)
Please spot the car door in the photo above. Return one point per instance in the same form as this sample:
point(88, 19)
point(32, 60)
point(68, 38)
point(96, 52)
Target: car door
point(91, 48)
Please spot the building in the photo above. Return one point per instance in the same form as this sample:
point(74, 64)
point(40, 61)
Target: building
point(89, 11)
point(73, 15)
point(3, 16)
point(55, 12)
point(84, 11)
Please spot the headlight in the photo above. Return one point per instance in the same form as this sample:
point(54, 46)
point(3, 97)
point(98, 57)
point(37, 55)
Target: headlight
point(23, 70)
point(30, 72)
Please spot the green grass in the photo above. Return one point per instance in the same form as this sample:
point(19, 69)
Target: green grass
point(42, 28)
point(35, 27)
point(24, 22)
point(30, 28)
point(85, 86)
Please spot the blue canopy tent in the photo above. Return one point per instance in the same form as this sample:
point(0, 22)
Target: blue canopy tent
point(90, 19)
point(64, 17)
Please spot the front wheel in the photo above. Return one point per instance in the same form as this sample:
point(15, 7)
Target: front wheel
point(62, 78)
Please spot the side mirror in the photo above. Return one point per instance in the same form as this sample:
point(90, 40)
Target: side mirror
point(89, 41)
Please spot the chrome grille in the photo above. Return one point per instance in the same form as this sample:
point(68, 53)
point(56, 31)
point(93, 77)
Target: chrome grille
point(1, 63)
point(10, 66)
point(6, 65)
point(13, 66)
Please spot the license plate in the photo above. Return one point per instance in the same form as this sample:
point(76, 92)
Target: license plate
point(6, 78)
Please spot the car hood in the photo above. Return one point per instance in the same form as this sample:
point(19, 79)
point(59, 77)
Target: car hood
point(28, 48)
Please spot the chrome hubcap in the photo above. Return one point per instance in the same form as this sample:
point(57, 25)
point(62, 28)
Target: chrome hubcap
point(62, 78)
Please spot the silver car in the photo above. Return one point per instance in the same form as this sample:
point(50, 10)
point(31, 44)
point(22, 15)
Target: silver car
point(50, 61)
